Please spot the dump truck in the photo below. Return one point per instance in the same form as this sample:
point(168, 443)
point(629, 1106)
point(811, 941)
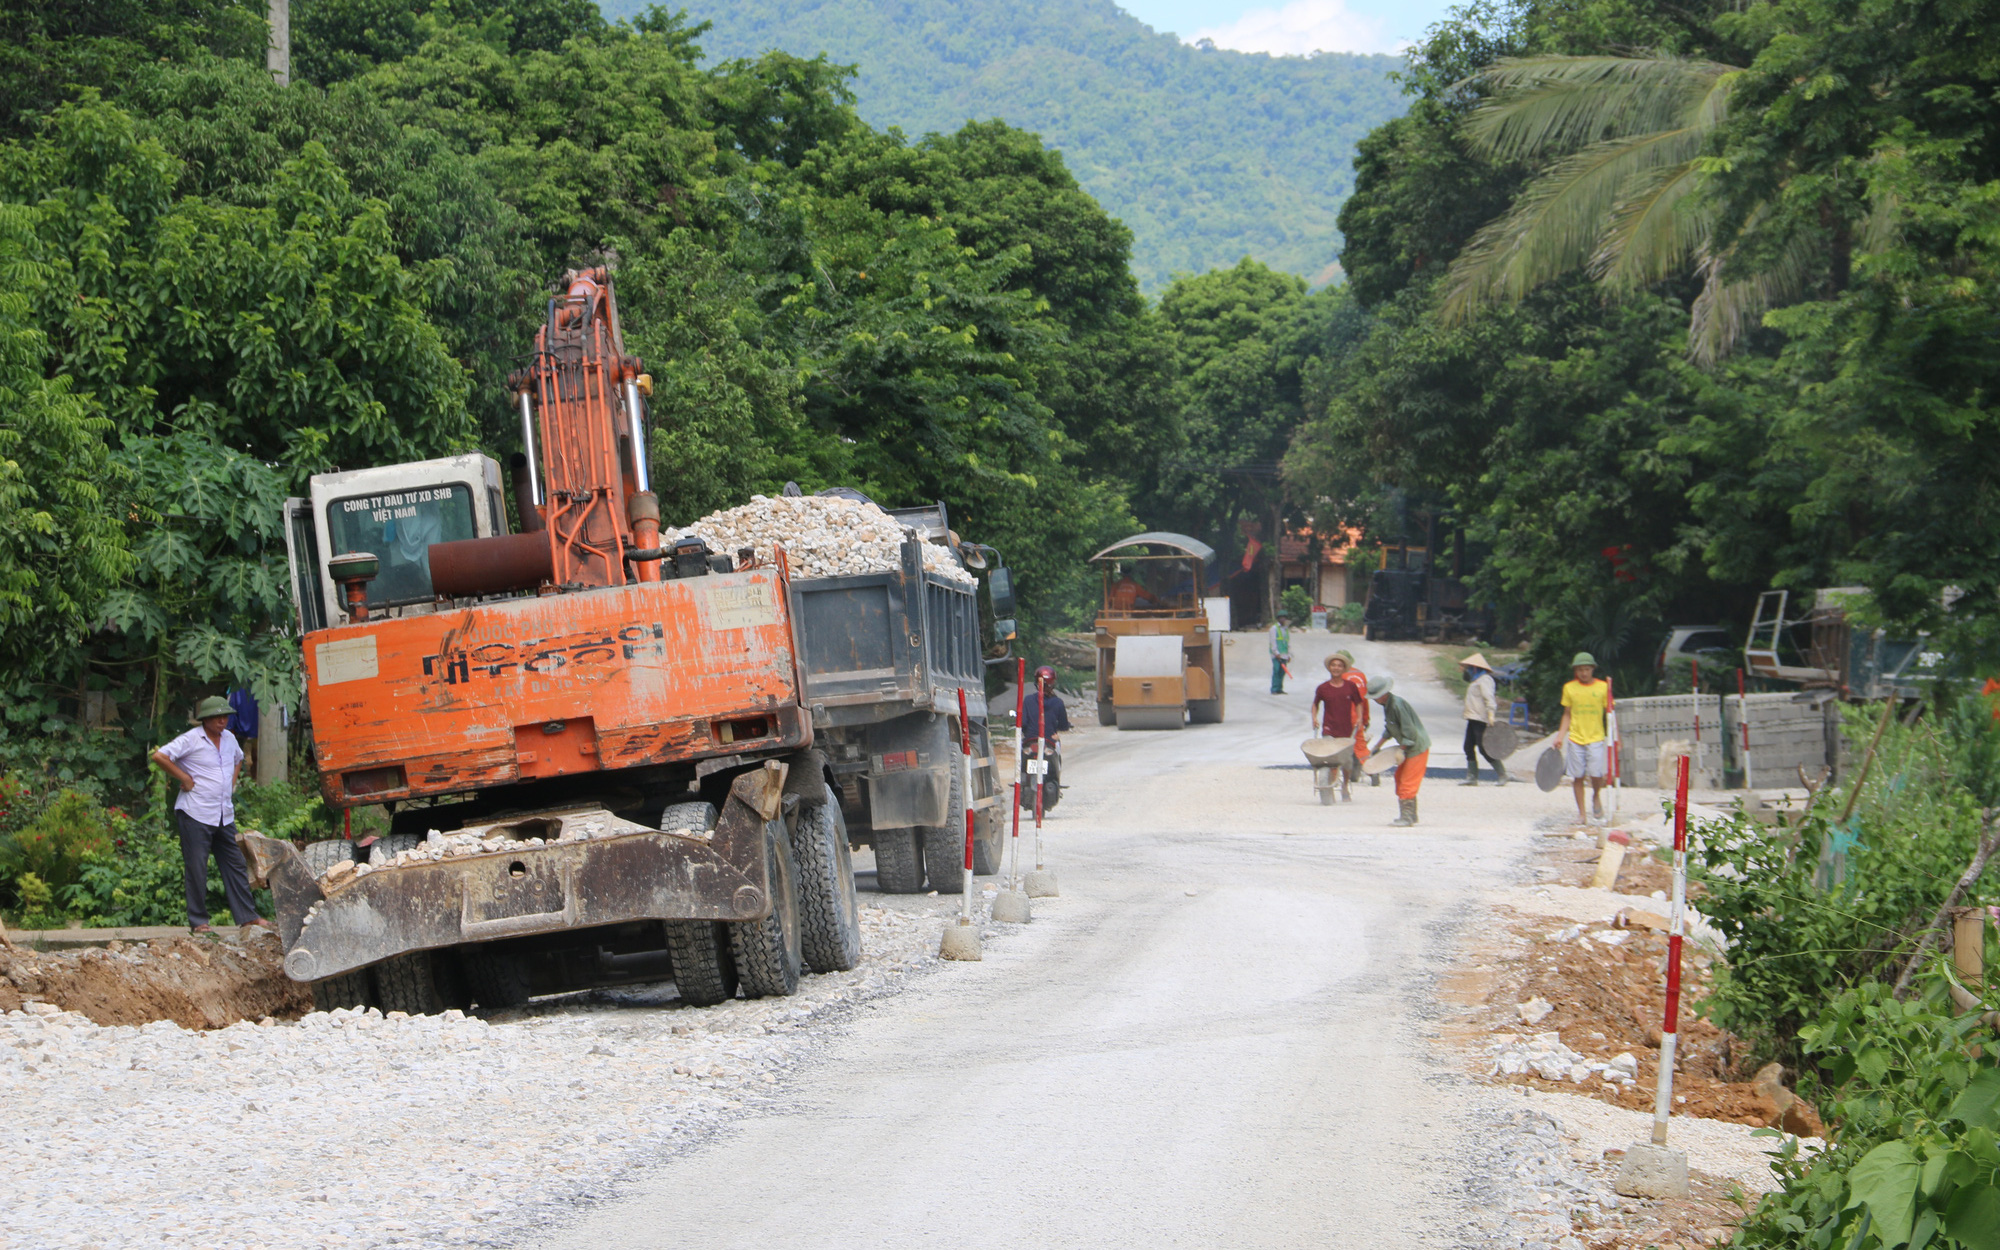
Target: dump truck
point(884, 658)
point(593, 745)
point(1159, 664)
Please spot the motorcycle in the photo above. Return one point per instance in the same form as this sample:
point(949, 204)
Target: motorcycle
point(1051, 779)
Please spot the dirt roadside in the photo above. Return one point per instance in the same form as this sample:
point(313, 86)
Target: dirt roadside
point(1563, 995)
point(198, 983)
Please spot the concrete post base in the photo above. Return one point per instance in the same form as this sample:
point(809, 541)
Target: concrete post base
point(1040, 884)
point(1010, 907)
point(1651, 1171)
point(961, 942)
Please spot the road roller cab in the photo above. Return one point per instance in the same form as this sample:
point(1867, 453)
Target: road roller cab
point(1159, 662)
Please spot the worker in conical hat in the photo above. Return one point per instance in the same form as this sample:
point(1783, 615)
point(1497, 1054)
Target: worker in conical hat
point(1482, 708)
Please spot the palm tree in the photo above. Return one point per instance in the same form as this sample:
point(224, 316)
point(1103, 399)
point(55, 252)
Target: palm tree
point(1622, 199)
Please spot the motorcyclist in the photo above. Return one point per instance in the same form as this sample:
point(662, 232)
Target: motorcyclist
point(1043, 715)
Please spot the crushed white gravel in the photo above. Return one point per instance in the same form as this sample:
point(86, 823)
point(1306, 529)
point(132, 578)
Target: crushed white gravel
point(823, 536)
point(355, 1129)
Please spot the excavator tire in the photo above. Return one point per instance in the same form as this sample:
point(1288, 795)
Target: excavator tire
point(390, 845)
point(944, 845)
point(829, 917)
point(495, 979)
point(696, 815)
point(406, 983)
point(899, 869)
point(768, 954)
point(704, 968)
point(320, 856)
point(352, 990)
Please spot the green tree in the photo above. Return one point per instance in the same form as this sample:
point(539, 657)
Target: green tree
point(62, 548)
point(52, 49)
point(1206, 154)
point(1105, 375)
point(333, 40)
point(230, 350)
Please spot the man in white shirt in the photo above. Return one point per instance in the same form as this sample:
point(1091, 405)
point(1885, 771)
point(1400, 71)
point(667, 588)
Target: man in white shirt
point(206, 761)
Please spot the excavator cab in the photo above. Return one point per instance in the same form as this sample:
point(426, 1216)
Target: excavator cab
point(394, 513)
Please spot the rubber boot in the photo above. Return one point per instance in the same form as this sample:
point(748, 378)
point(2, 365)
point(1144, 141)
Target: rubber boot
point(1499, 774)
point(1471, 775)
point(1374, 779)
point(1409, 816)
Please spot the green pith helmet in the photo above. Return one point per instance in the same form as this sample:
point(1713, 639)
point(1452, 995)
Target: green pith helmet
point(1380, 684)
point(213, 705)
point(1582, 658)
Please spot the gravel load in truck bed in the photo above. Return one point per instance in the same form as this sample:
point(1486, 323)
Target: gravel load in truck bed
point(823, 536)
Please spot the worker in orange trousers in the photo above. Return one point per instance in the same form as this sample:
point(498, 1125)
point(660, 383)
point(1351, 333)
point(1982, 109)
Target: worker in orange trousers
point(1399, 722)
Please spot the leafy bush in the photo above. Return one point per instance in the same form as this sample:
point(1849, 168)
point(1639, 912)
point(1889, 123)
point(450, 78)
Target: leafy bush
point(1296, 604)
point(285, 810)
point(37, 903)
point(55, 847)
point(1917, 1159)
point(1812, 911)
point(141, 884)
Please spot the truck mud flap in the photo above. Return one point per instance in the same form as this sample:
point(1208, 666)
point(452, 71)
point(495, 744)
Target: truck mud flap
point(909, 797)
point(523, 890)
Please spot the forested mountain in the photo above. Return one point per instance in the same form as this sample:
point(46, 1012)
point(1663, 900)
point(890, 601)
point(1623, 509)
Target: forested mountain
point(1207, 155)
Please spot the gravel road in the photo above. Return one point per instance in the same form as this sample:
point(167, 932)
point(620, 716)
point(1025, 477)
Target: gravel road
point(1224, 1033)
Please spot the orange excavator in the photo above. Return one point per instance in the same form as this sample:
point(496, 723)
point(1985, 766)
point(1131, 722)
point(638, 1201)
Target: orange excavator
point(592, 747)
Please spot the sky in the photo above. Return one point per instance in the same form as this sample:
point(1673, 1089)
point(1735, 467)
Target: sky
point(1292, 27)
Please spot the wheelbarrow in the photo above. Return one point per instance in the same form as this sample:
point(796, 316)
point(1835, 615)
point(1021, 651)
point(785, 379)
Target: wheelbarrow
point(1332, 761)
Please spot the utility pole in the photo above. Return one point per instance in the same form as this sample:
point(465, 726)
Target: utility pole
point(278, 56)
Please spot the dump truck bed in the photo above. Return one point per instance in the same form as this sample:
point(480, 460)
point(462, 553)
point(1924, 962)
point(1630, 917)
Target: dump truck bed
point(878, 645)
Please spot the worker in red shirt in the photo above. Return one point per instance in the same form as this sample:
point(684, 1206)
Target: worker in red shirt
point(1341, 708)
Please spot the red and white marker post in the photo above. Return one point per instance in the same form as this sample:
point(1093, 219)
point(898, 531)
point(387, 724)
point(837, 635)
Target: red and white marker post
point(1663, 1091)
point(1020, 758)
point(1039, 766)
point(965, 755)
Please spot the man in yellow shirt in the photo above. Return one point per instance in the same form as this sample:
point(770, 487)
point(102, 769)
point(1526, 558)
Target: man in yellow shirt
point(1586, 745)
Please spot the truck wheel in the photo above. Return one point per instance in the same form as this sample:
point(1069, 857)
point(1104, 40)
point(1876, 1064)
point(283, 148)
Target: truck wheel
point(495, 979)
point(767, 951)
point(829, 917)
point(704, 970)
point(944, 845)
point(898, 869)
point(1204, 711)
point(701, 816)
point(408, 984)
